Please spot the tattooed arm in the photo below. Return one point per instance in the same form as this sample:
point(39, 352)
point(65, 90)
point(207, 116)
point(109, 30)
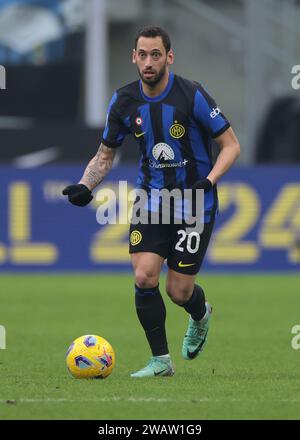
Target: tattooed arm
point(98, 167)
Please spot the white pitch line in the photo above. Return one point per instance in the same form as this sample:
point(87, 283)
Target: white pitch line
point(144, 399)
point(104, 399)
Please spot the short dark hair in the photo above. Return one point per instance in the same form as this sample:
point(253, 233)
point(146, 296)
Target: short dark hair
point(152, 32)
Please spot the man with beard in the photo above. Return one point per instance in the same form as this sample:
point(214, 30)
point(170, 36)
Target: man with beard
point(174, 121)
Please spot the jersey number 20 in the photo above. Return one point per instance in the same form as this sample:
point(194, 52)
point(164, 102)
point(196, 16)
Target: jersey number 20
point(191, 245)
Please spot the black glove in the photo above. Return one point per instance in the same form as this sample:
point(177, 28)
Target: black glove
point(203, 184)
point(78, 195)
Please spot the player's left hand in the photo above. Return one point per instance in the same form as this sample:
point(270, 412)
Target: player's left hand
point(204, 184)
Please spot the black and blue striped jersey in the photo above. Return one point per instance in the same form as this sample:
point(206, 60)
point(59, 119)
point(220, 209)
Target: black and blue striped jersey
point(174, 131)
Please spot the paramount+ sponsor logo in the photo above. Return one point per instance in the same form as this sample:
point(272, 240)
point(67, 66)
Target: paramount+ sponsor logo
point(163, 152)
point(164, 155)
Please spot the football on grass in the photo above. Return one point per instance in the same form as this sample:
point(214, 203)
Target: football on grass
point(90, 357)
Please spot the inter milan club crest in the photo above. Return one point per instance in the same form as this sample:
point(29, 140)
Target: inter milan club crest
point(177, 130)
point(135, 237)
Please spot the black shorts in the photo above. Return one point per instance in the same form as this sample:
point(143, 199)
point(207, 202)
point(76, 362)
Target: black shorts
point(183, 250)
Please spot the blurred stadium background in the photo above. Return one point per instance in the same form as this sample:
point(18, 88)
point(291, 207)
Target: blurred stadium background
point(63, 59)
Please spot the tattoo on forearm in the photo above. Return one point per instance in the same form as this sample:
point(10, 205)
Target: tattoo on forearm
point(98, 167)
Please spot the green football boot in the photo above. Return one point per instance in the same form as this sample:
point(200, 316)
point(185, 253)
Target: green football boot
point(196, 336)
point(156, 367)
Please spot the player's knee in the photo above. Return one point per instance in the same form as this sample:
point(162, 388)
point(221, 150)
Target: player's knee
point(178, 294)
point(145, 279)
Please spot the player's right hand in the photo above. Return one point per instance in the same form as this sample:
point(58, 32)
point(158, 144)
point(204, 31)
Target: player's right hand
point(78, 195)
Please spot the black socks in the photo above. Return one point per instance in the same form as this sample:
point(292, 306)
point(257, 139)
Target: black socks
point(196, 304)
point(151, 312)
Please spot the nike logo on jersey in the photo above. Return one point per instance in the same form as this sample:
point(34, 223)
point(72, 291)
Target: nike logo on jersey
point(181, 264)
point(138, 135)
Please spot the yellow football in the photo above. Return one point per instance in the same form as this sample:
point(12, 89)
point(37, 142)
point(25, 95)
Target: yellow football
point(90, 357)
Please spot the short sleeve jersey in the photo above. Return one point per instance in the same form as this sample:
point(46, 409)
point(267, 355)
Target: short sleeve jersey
point(174, 131)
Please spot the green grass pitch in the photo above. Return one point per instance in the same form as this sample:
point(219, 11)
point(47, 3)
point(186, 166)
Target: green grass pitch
point(248, 369)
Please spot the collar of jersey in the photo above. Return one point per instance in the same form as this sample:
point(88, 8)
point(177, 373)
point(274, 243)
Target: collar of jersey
point(163, 94)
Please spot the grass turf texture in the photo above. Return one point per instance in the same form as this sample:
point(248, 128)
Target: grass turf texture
point(248, 369)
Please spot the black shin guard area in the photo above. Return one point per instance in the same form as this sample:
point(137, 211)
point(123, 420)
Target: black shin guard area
point(196, 304)
point(151, 312)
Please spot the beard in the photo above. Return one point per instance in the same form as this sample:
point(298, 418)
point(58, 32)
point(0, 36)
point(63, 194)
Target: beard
point(156, 78)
